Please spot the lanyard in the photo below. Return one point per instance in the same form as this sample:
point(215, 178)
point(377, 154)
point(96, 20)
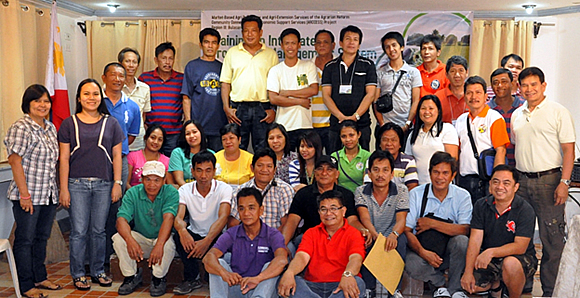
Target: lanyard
point(346, 68)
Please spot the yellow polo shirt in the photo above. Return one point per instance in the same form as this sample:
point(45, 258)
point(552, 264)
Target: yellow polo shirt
point(248, 73)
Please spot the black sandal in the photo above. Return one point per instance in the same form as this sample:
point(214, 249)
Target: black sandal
point(84, 283)
point(102, 279)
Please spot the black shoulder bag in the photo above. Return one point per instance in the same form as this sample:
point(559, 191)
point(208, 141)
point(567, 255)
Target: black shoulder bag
point(384, 104)
point(431, 239)
point(485, 160)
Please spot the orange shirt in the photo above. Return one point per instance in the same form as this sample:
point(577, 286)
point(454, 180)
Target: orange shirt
point(451, 106)
point(433, 81)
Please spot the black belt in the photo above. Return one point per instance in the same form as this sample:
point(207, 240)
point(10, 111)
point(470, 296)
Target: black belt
point(265, 105)
point(540, 174)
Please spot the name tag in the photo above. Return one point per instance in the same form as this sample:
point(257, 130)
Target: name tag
point(345, 89)
point(263, 249)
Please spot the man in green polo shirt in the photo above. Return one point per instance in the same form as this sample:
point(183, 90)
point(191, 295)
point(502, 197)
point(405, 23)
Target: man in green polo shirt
point(152, 206)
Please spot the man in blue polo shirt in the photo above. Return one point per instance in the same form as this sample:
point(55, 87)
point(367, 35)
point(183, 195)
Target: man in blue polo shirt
point(166, 101)
point(258, 253)
point(347, 91)
point(128, 115)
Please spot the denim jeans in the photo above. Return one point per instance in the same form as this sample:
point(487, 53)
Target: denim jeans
point(90, 200)
point(251, 114)
point(169, 144)
point(191, 264)
point(476, 187)
point(308, 289)
point(111, 226)
point(294, 138)
point(323, 134)
point(219, 288)
point(32, 232)
point(214, 143)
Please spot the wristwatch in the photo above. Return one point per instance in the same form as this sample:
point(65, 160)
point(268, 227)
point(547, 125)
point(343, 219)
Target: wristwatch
point(408, 123)
point(120, 182)
point(566, 181)
point(396, 233)
point(357, 116)
point(347, 274)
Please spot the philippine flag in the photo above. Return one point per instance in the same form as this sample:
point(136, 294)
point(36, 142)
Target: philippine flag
point(55, 80)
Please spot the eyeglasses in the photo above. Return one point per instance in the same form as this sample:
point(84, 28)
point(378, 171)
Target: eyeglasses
point(333, 209)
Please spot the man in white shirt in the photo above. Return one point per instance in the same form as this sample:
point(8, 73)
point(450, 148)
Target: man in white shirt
point(207, 202)
point(290, 85)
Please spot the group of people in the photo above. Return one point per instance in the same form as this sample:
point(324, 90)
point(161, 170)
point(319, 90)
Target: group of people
point(159, 165)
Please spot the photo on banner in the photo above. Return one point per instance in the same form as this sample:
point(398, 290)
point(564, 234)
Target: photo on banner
point(454, 28)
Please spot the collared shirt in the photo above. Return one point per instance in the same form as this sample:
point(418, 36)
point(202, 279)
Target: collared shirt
point(539, 134)
point(166, 100)
point(203, 211)
point(354, 168)
point(277, 199)
point(428, 143)
point(305, 204)
point(148, 215)
point(404, 170)
point(403, 96)
point(320, 113)
point(456, 206)
point(127, 114)
point(451, 106)
point(141, 95)
point(488, 130)
point(249, 256)
point(383, 217)
point(248, 73)
point(501, 229)
point(507, 116)
point(360, 74)
point(433, 81)
point(330, 255)
point(38, 148)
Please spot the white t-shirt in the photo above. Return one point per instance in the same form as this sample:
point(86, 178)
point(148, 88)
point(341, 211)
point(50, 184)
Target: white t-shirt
point(426, 144)
point(300, 76)
point(203, 212)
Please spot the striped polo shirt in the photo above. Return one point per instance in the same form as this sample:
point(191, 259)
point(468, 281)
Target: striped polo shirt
point(166, 100)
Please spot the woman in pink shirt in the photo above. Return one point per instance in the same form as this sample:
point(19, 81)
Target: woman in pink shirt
point(154, 138)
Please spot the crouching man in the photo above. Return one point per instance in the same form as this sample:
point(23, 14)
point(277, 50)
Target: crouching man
point(152, 206)
point(500, 245)
point(333, 252)
point(258, 253)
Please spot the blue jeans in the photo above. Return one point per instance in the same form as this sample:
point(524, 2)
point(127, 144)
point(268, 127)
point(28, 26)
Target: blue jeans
point(219, 288)
point(111, 226)
point(214, 143)
point(308, 289)
point(90, 199)
point(294, 138)
point(32, 232)
point(250, 114)
point(169, 144)
point(476, 187)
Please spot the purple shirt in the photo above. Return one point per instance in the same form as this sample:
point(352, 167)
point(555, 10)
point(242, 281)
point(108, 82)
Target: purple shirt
point(249, 256)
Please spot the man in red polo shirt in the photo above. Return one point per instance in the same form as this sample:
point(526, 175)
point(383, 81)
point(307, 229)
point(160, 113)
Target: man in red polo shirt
point(432, 69)
point(452, 99)
point(333, 251)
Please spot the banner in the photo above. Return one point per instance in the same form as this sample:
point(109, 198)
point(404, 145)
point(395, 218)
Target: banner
point(55, 80)
point(454, 28)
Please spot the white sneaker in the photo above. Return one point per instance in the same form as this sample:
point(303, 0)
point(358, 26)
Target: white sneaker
point(459, 294)
point(441, 292)
point(397, 294)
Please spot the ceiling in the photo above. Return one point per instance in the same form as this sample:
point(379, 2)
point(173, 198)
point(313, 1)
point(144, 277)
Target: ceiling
point(192, 8)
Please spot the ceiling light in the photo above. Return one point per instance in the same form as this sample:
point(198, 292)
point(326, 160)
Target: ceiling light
point(113, 7)
point(529, 8)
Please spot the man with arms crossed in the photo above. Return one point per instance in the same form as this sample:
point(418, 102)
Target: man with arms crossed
point(500, 244)
point(544, 137)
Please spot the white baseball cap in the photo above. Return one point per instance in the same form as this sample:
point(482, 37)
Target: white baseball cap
point(153, 168)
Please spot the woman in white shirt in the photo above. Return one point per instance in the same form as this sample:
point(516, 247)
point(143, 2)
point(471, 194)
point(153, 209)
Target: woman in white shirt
point(430, 135)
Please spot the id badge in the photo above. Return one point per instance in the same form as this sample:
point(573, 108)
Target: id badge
point(345, 89)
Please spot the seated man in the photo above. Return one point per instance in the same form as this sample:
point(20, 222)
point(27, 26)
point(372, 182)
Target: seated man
point(277, 193)
point(207, 202)
point(305, 204)
point(500, 245)
point(258, 254)
point(442, 210)
point(152, 206)
point(333, 252)
point(382, 206)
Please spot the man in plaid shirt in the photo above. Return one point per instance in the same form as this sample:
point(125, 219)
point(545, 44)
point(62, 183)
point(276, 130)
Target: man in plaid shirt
point(277, 194)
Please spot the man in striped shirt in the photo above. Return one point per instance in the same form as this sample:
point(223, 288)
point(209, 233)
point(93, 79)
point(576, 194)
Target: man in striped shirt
point(166, 101)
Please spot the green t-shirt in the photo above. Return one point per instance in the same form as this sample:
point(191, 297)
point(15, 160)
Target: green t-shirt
point(148, 215)
point(178, 162)
point(354, 168)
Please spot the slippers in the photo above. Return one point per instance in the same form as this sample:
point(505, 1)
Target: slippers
point(34, 293)
point(48, 285)
point(102, 279)
point(82, 283)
